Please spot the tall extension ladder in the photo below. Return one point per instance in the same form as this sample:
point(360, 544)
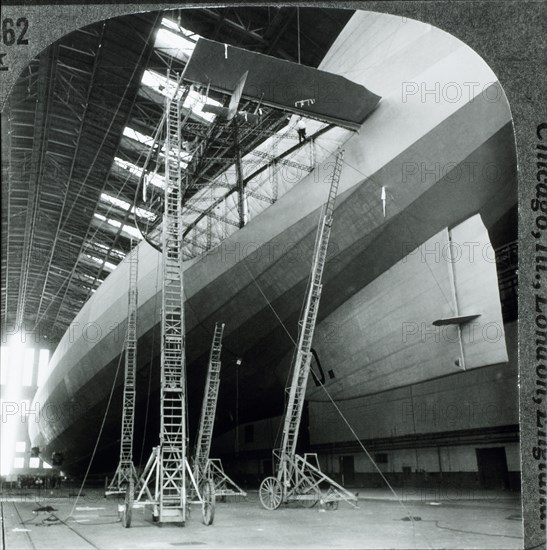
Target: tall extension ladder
point(172, 451)
point(168, 467)
point(299, 478)
point(205, 467)
point(125, 472)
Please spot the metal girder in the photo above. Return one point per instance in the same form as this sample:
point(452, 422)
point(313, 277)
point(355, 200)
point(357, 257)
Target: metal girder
point(239, 176)
point(259, 196)
point(284, 162)
point(279, 25)
point(236, 26)
point(46, 73)
point(212, 215)
point(207, 233)
point(6, 139)
point(144, 53)
point(67, 121)
point(249, 178)
point(61, 217)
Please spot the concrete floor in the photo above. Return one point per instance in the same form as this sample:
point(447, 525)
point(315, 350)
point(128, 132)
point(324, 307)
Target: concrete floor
point(466, 519)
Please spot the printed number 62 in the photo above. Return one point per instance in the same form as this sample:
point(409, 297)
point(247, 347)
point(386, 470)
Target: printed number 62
point(9, 37)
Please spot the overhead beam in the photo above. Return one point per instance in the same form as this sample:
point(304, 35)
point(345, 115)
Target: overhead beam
point(239, 176)
point(235, 26)
point(139, 66)
point(46, 74)
point(61, 217)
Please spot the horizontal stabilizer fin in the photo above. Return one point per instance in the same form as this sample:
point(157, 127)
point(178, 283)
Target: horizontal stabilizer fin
point(280, 84)
point(456, 320)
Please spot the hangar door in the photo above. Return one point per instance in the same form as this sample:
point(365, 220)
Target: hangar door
point(493, 472)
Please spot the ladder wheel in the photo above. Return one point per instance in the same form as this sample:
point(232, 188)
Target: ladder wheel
point(128, 504)
point(271, 493)
point(331, 505)
point(208, 501)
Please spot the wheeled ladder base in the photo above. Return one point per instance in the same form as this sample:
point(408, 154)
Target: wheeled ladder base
point(299, 480)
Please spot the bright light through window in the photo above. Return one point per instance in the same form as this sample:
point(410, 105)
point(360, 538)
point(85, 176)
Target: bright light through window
point(184, 156)
point(174, 26)
point(11, 391)
point(43, 366)
point(28, 367)
point(129, 230)
point(167, 86)
point(196, 100)
point(141, 212)
point(160, 83)
point(137, 136)
point(25, 407)
point(124, 165)
point(156, 180)
point(113, 251)
point(34, 462)
point(19, 462)
point(4, 365)
point(175, 41)
point(107, 265)
point(151, 179)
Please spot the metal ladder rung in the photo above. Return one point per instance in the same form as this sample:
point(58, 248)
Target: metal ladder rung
point(302, 361)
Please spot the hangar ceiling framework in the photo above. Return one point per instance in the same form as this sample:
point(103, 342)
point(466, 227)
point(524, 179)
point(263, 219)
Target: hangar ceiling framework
point(79, 126)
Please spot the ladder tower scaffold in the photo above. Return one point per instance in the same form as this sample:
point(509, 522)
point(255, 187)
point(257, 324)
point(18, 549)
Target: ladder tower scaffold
point(125, 472)
point(299, 478)
point(168, 471)
point(205, 467)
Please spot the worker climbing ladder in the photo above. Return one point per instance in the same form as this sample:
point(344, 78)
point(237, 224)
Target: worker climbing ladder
point(206, 468)
point(300, 478)
point(168, 470)
point(125, 472)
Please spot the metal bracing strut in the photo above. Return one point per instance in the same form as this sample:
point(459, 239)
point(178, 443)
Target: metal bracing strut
point(168, 469)
point(300, 478)
point(205, 467)
point(126, 469)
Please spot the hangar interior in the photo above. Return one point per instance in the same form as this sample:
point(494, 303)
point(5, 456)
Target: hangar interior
point(328, 185)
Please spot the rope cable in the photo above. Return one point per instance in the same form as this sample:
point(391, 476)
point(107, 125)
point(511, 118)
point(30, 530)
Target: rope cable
point(298, 30)
point(150, 362)
point(244, 260)
point(276, 439)
point(100, 430)
point(346, 422)
point(330, 398)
